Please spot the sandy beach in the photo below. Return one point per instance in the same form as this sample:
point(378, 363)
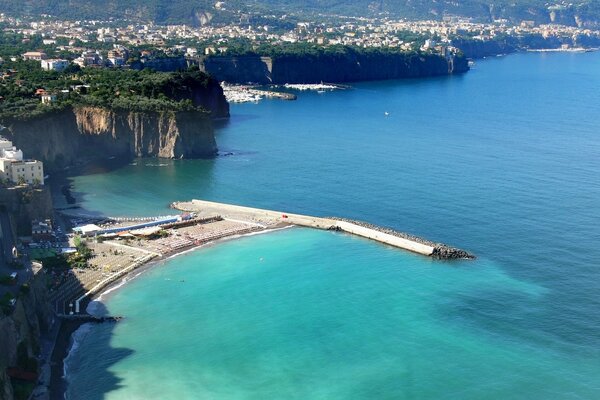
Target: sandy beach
point(121, 258)
point(64, 340)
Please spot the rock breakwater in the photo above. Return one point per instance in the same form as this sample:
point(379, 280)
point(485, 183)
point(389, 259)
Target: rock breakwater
point(440, 251)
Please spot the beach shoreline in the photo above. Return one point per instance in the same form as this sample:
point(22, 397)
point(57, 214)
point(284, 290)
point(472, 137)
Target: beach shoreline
point(246, 222)
point(64, 344)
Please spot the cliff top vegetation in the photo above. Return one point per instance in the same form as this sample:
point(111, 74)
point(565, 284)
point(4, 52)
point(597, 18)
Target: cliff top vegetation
point(243, 47)
point(24, 84)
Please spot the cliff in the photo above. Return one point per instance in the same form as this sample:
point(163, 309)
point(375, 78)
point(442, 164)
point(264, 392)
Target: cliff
point(504, 45)
point(363, 67)
point(346, 67)
point(21, 330)
point(242, 69)
point(24, 204)
point(481, 48)
point(88, 133)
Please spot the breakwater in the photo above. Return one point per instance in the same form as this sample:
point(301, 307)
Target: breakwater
point(84, 318)
point(440, 251)
point(369, 231)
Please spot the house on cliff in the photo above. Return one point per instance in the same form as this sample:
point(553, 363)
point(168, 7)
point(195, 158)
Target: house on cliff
point(15, 169)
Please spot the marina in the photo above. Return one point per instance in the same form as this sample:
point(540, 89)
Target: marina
point(314, 86)
point(248, 94)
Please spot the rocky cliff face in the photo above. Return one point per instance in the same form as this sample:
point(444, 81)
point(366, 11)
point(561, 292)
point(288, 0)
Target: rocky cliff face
point(88, 133)
point(25, 204)
point(481, 49)
point(362, 68)
point(20, 331)
point(238, 69)
point(330, 68)
point(485, 48)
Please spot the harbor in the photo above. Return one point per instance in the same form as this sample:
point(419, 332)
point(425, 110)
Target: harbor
point(123, 245)
point(250, 93)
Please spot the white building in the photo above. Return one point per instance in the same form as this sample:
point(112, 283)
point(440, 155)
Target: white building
point(34, 55)
point(116, 61)
point(16, 169)
point(48, 98)
point(54, 64)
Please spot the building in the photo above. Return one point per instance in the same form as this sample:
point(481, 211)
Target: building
point(54, 64)
point(116, 61)
point(48, 98)
point(15, 169)
point(41, 231)
point(89, 58)
point(35, 55)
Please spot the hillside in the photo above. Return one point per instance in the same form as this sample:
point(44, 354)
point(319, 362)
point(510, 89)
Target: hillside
point(578, 12)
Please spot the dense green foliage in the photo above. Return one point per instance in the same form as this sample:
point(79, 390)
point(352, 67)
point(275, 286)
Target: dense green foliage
point(245, 47)
point(12, 44)
point(184, 11)
point(80, 258)
point(109, 88)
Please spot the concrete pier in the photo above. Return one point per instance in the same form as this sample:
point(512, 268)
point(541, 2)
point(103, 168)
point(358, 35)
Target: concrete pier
point(83, 318)
point(273, 95)
point(268, 217)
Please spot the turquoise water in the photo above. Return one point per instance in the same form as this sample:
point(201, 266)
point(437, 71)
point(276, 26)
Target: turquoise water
point(502, 161)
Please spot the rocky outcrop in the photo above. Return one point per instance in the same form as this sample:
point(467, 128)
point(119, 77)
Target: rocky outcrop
point(24, 204)
point(333, 68)
point(87, 133)
point(443, 252)
point(20, 332)
point(480, 48)
point(239, 69)
point(82, 133)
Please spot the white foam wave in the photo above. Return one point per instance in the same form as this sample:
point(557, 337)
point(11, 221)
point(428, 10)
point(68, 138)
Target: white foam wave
point(76, 339)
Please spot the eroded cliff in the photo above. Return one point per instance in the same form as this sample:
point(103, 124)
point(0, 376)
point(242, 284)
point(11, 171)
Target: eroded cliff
point(20, 332)
point(350, 66)
point(87, 133)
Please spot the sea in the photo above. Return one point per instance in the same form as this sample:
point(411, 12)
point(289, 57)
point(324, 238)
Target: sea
point(503, 161)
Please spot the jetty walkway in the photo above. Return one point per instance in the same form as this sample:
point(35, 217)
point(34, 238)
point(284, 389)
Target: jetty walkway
point(269, 217)
point(83, 318)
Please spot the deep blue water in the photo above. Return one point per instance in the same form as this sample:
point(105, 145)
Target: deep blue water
point(502, 161)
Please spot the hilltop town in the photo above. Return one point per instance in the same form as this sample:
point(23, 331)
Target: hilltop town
point(122, 43)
